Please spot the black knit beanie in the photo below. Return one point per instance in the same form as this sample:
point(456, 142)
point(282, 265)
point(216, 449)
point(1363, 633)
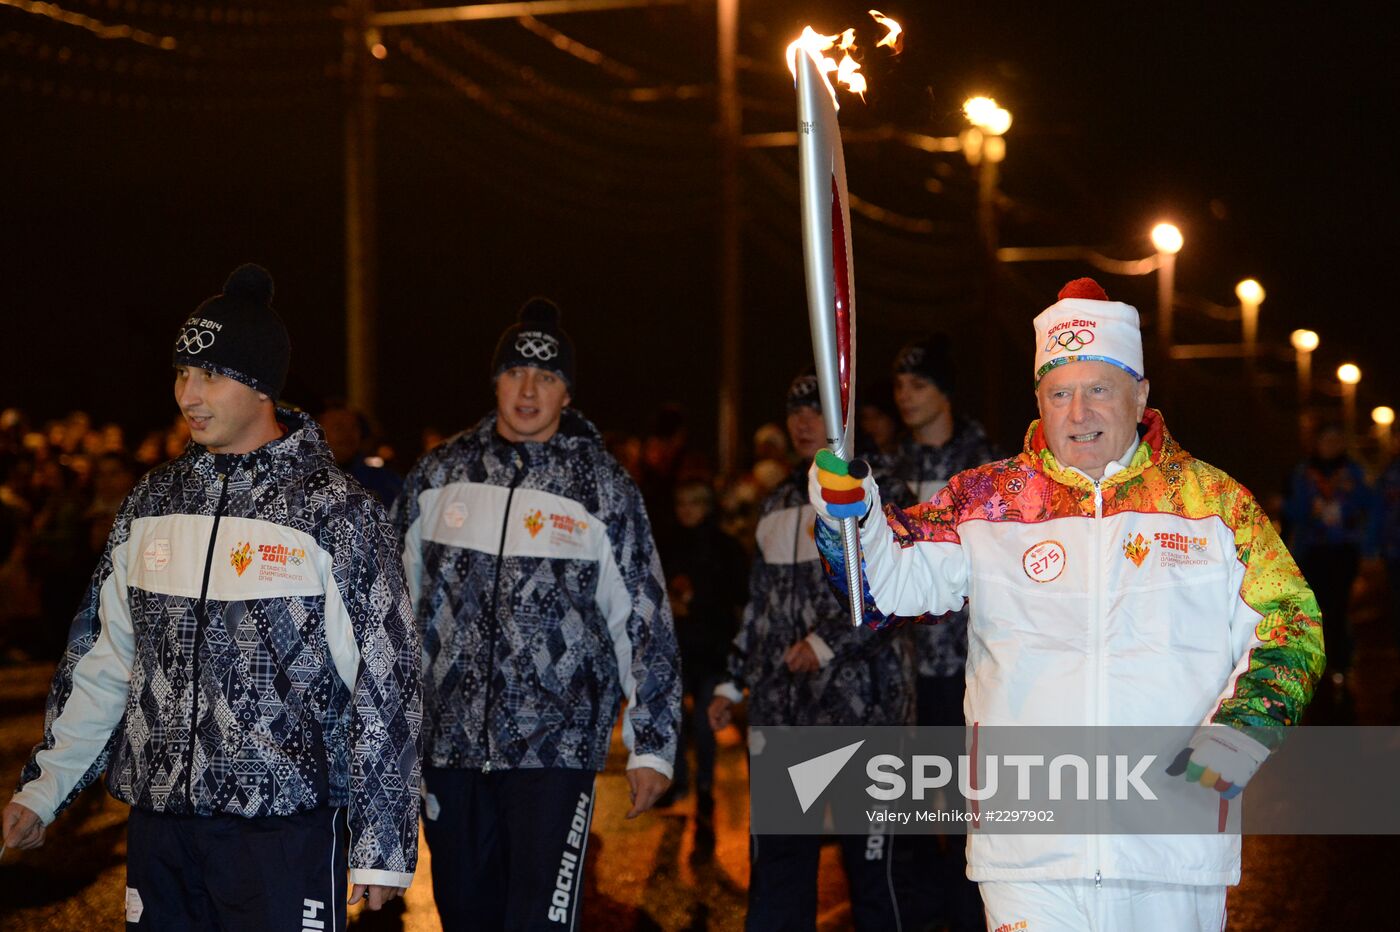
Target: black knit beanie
point(930, 359)
point(803, 393)
point(238, 334)
point(537, 340)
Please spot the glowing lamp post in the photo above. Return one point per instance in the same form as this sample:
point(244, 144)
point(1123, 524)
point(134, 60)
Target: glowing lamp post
point(1349, 374)
point(1251, 295)
point(1304, 342)
point(1383, 417)
point(1167, 240)
point(984, 148)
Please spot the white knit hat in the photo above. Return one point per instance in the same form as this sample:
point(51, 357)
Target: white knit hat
point(1084, 326)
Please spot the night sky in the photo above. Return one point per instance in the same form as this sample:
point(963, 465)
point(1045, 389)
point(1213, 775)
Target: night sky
point(137, 178)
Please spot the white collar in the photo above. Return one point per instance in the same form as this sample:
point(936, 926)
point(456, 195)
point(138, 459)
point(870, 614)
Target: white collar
point(1115, 466)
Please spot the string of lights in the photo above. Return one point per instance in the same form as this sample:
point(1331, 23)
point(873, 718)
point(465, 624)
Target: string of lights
point(518, 176)
point(885, 258)
point(785, 181)
point(97, 27)
point(157, 71)
point(579, 50)
point(616, 161)
point(277, 12)
point(639, 129)
point(124, 99)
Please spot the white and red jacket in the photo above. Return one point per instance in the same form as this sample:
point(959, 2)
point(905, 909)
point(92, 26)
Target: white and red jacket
point(1158, 595)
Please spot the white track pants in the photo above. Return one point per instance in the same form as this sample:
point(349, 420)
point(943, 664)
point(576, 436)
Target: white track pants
point(1116, 906)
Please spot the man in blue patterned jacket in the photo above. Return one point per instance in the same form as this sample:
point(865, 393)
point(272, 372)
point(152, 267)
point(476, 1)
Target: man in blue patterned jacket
point(803, 663)
point(244, 665)
point(542, 606)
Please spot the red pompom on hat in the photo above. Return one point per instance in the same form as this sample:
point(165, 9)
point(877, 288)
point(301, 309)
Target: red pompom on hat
point(1085, 326)
point(1085, 288)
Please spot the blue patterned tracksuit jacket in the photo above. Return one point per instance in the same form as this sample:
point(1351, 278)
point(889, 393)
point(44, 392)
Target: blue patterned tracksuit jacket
point(246, 648)
point(918, 472)
point(541, 604)
point(867, 676)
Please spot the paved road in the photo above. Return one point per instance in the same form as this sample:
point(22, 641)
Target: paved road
point(643, 874)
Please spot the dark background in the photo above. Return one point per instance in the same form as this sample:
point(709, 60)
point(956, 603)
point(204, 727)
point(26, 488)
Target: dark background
point(136, 178)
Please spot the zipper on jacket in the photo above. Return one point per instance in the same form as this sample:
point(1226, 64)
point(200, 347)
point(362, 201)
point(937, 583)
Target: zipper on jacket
point(1096, 683)
point(493, 622)
point(201, 619)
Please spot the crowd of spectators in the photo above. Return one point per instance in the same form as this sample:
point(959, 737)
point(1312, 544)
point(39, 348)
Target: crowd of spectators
point(62, 481)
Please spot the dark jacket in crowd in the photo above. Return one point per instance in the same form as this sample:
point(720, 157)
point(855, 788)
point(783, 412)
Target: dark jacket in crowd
point(540, 601)
point(916, 473)
point(246, 648)
point(868, 680)
point(707, 574)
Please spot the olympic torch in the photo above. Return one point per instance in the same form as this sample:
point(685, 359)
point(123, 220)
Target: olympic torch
point(831, 304)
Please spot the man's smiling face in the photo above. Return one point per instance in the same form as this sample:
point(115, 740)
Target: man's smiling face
point(1089, 412)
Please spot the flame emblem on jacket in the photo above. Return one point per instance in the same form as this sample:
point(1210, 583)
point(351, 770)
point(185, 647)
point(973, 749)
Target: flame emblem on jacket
point(241, 556)
point(534, 522)
point(1136, 549)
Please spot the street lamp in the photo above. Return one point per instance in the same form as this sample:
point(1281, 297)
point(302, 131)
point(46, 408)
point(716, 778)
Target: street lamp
point(987, 115)
point(1167, 240)
point(1383, 417)
point(1349, 374)
point(1251, 295)
point(1304, 342)
point(984, 148)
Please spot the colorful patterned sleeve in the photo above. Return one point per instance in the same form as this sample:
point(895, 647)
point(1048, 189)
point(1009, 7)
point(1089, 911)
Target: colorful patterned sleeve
point(1277, 630)
point(914, 559)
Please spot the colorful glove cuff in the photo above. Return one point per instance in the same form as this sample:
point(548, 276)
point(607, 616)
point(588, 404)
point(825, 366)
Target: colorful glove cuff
point(843, 486)
point(850, 497)
point(1195, 773)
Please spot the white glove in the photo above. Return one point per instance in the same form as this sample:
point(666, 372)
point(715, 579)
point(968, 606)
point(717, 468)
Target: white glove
point(1220, 758)
point(839, 489)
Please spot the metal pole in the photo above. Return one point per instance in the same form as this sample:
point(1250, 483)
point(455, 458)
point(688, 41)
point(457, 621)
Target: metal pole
point(1166, 299)
point(1304, 359)
point(1349, 415)
point(730, 233)
point(993, 377)
point(361, 98)
point(1249, 324)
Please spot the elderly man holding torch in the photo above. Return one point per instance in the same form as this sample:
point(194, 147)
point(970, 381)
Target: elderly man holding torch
point(1084, 612)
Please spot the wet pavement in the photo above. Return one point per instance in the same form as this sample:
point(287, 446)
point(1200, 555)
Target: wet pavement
point(648, 873)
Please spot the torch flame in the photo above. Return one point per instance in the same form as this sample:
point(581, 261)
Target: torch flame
point(892, 38)
point(847, 71)
point(815, 44)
